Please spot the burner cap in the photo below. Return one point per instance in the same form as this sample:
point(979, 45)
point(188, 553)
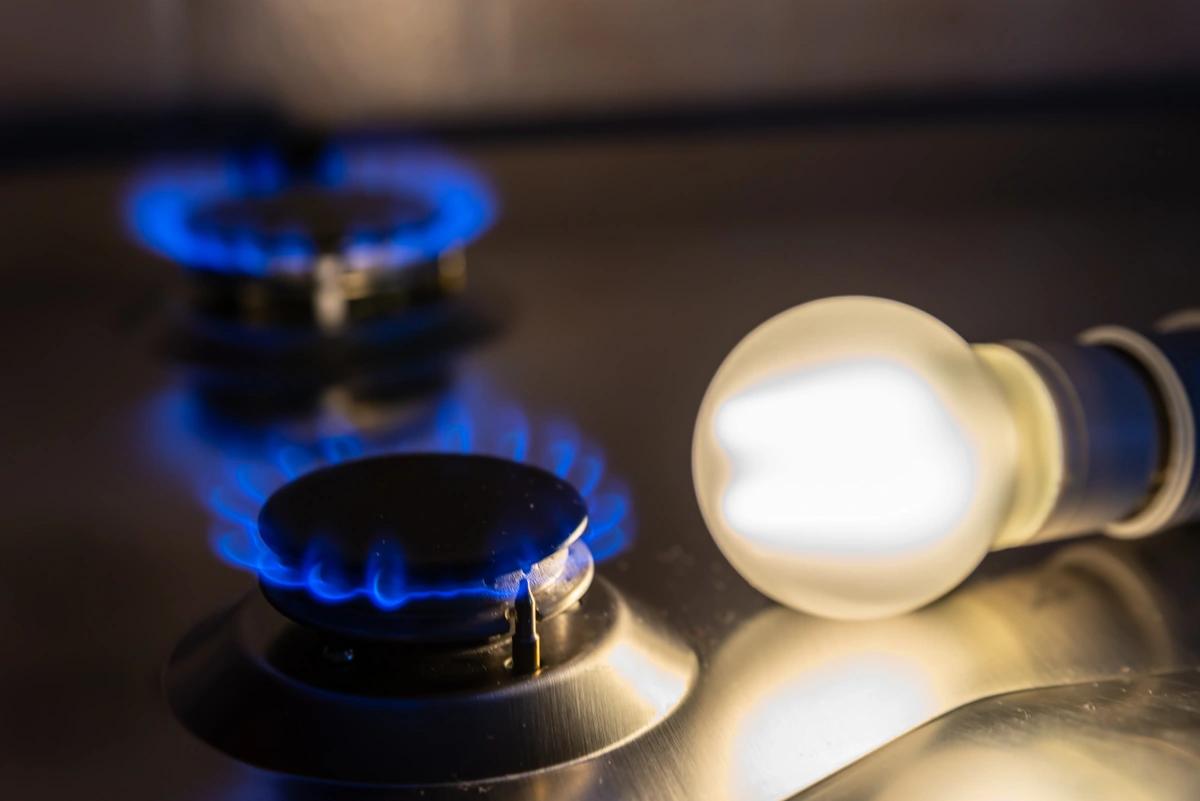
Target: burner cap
point(457, 518)
point(423, 546)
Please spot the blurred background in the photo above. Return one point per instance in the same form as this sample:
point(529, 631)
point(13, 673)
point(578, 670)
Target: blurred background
point(132, 68)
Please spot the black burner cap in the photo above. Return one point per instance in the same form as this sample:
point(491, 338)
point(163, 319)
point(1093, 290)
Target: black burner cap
point(456, 518)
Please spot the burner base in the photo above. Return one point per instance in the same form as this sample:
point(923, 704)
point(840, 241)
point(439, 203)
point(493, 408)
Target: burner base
point(280, 697)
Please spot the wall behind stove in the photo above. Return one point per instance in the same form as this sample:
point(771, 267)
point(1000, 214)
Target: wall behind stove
point(356, 61)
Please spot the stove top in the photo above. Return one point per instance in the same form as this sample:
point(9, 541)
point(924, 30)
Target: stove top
point(555, 651)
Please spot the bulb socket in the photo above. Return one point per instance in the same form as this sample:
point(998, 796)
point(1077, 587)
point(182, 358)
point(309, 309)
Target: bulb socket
point(1111, 433)
point(1118, 437)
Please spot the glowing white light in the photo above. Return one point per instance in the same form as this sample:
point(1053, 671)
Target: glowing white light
point(852, 456)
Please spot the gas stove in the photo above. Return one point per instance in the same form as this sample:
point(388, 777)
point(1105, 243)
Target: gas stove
point(293, 510)
point(459, 608)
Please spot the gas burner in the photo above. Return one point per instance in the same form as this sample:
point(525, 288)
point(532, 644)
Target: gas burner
point(329, 240)
point(321, 274)
point(423, 547)
point(238, 477)
point(415, 600)
point(268, 213)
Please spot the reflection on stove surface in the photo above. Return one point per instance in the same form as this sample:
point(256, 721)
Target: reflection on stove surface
point(1127, 739)
point(813, 696)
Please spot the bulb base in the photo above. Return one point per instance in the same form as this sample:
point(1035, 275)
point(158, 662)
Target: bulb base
point(1107, 429)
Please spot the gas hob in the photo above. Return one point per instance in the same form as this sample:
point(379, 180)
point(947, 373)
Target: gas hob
point(563, 661)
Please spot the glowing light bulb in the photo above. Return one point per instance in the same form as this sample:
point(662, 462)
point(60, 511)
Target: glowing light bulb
point(854, 457)
point(817, 454)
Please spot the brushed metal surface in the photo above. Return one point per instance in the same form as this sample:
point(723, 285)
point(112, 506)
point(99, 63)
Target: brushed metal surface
point(630, 268)
point(1131, 738)
point(256, 687)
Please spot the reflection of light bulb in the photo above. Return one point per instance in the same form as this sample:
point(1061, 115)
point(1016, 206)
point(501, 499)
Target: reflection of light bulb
point(797, 699)
point(854, 457)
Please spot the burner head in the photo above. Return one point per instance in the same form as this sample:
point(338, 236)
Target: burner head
point(423, 547)
point(328, 241)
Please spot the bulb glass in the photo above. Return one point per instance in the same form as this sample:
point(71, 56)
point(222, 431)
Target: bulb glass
point(854, 457)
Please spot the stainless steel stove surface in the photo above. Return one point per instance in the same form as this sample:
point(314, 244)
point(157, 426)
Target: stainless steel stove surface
point(618, 273)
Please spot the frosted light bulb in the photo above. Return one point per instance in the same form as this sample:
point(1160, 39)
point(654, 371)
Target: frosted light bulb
point(854, 457)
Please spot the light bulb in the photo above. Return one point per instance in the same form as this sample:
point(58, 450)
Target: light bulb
point(854, 457)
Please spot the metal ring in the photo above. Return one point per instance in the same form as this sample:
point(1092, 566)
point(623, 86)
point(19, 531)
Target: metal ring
point(1164, 503)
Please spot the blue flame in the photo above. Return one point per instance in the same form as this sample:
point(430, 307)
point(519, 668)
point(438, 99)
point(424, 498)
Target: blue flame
point(162, 201)
point(471, 421)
